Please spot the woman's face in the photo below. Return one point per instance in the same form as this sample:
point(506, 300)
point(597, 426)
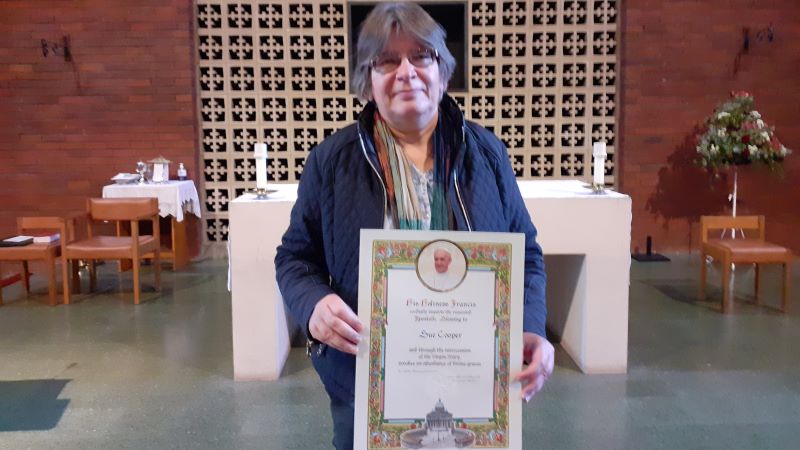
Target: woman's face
point(408, 96)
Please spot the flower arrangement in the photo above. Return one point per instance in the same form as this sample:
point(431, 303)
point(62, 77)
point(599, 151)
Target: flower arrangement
point(735, 134)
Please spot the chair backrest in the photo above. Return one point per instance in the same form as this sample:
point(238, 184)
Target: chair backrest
point(39, 223)
point(122, 208)
point(65, 226)
point(709, 223)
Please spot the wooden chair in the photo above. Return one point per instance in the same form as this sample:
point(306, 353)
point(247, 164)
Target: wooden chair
point(133, 247)
point(750, 250)
point(45, 252)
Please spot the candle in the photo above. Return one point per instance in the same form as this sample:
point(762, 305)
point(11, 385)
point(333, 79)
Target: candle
point(599, 153)
point(260, 152)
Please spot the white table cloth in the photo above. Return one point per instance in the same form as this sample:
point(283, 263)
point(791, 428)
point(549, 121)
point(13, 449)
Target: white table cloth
point(585, 239)
point(174, 197)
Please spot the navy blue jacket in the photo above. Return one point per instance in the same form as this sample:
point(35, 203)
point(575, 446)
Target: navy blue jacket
point(341, 192)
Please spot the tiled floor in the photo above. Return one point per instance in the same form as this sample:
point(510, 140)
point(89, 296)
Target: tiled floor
point(103, 373)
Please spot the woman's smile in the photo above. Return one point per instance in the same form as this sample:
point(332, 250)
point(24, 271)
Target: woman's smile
point(407, 94)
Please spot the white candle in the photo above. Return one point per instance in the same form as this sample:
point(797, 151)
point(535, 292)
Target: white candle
point(599, 153)
point(260, 152)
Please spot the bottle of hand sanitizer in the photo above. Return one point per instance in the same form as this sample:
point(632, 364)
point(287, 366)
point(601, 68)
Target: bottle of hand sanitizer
point(181, 172)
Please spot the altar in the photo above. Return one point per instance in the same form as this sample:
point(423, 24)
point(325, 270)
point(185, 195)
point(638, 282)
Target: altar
point(585, 239)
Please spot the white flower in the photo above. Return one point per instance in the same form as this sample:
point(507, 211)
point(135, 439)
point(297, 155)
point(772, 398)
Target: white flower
point(723, 114)
point(753, 149)
point(721, 132)
point(764, 135)
point(755, 114)
point(714, 149)
point(760, 123)
point(784, 151)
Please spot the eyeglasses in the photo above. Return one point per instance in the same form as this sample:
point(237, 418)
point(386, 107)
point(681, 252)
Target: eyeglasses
point(389, 62)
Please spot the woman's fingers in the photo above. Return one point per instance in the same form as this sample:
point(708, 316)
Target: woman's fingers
point(541, 355)
point(532, 380)
point(335, 324)
point(342, 311)
point(342, 329)
point(343, 345)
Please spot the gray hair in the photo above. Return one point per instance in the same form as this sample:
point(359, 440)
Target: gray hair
point(376, 30)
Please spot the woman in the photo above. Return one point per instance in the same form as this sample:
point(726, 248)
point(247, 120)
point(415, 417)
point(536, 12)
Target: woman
point(410, 162)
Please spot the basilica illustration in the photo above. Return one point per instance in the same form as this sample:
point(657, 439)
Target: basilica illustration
point(438, 432)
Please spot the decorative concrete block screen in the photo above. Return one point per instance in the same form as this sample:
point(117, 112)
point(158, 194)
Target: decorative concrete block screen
point(540, 74)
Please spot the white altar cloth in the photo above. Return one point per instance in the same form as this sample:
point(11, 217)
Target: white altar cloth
point(585, 239)
point(174, 197)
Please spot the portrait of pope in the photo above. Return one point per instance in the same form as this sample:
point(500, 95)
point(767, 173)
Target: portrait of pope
point(437, 269)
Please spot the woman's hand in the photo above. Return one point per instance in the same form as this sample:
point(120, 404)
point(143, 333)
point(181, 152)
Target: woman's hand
point(335, 324)
point(539, 354)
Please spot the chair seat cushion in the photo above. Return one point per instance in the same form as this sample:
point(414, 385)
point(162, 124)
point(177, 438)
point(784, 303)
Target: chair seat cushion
point(30, 251)
point(109, 246)
point(750, 248)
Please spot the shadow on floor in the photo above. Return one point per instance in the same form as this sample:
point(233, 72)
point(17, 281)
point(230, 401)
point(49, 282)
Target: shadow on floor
point(685, 291)
point(563, 361)
point(30, 405)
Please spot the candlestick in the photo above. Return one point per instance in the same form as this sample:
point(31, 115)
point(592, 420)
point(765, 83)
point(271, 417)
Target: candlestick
point(260, 153)
point(599, 153)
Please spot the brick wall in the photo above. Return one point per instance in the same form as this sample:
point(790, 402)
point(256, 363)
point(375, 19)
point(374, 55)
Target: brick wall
point(678, 62)
point(127, 95)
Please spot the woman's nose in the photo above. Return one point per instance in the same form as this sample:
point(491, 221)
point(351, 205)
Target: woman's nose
point(406, 70)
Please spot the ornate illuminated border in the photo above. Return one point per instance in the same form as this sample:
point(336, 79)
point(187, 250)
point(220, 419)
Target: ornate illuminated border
point(387, 254)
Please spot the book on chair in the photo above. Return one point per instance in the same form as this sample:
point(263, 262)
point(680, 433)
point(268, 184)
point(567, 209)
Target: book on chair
point(16, 241)
point(46, 238)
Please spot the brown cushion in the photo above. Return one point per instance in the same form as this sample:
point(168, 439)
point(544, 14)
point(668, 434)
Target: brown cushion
point(749, 247)
point(108, 246)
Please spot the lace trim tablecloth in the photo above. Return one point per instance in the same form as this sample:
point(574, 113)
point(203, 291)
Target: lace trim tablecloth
point(174, 197)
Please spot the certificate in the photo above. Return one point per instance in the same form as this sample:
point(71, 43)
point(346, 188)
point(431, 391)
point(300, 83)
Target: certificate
point(443, 338)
